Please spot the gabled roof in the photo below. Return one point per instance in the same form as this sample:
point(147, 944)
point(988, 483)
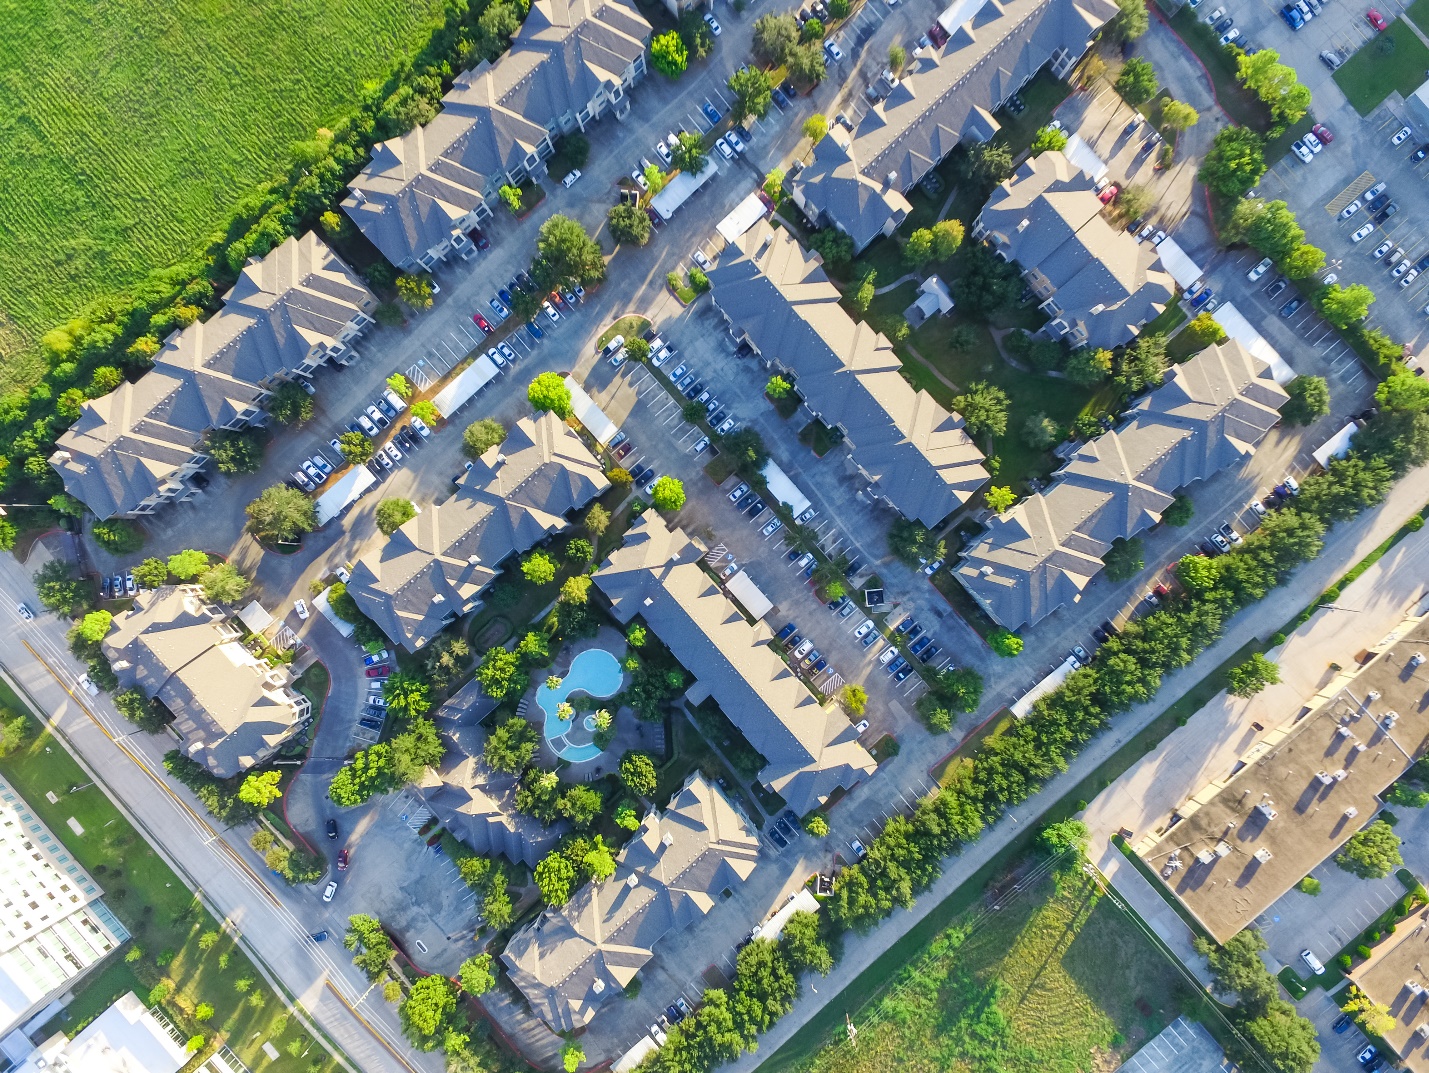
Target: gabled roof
point(125, 444)
point(1047, 218)
point(418, 185)
point(810, 749)
point(574, 957)
point(514, 497)
point(231, 708)
point(831, 183)
point(948, 94)
point(919, 454)
point(1210, 413)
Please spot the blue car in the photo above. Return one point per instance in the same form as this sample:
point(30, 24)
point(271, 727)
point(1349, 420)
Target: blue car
point(779, 98)
point(505, 295)
point(786, 632)
point(534, 330)
point(1292, 17)
point(710, 113)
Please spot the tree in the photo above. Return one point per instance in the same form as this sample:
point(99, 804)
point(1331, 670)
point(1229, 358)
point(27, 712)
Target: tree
point(1286, 1039)
point(151, 573)
point(864, 294)
point(59, 590)
point(1369, 1015)
point(1274, 230)
point(289, 404)
point(1309, 400)
point(555, 879)
point(961, 687)
point(1404, 392)
point(918, 251)
point(1131, 21)
point(407, 695)
point(1180, 512)
point(990, 162)
point(897, 57)
point(1204, 329)
point(1250, 677)
point(984, 408)
point(764, 986)
point(668, 54)
point(260, 789)
point(235, 451)
point(94, 626)
point(1178, 116)
point(427, 410)
point(668, 494)
point(568, 256)
point(774, 186)
point(811, 31)
point(480, 436)
point(752, 91)
point(1124, 559)
point(401, 386)
point(575, 590)
point(416, 291)
point(374, 949)
point(223, 584)
point(427, 1006)
point(833, 245)
point(637, 772)
point(688, 152)
point(281, 514)
point(392, 513)
point(500, 674)
point(999, 499)
point(806, 63)
point(1133, 203)
point(579, 550)
point(1372, 853)
point(1141, 365)
point(597, 520)
point(775, 37)
point(1058, 838)
point(1005, 643)
point(355, 447)
point(538, 568)
point(510, 746)
point(914, 542)
point(1235, 163)
point(187, 564)
point(117, 536)
point(817, 825)
point(476, 976)
point(572, 1055)
point(1274, 83)
point(1343, 306)
point(629, 224)
point(1137, 83)
point(854, 699)
point(1304, 261)
point(803, 944)
point(987, 283)
point(1048, 139)
point(1040, 432)
point(947, 238)
point(1088, 367)
point(369, 772)
point(511, 195)
point(581, 805)
point(778, 387)
point(549, 392)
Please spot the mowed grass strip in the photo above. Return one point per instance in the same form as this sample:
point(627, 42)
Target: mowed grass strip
point(1057, 979)
point(131, 128)
point(1394, 61)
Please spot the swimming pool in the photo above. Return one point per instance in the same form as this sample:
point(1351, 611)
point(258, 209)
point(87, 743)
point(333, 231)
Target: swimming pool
point(595, 672)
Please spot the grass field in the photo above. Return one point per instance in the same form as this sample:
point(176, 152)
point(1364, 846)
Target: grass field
point(1395, 60)
point(1056, 980)
point(132, 128)
point(163, 915)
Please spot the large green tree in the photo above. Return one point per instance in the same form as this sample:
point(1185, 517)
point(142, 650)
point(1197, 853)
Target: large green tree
point(629, 224)
point(1249, 678)
point(392, 513)
point(1309, 400)
point(1235, 162)
point(568, 256)
point(668, 54)
point(482, 435)
point(775, 37)
point(281, 514)
point(752, 91)
point(1137, 83)
point(984, 407)
point(549, 392)
point(510, 746)
point(1372, 853)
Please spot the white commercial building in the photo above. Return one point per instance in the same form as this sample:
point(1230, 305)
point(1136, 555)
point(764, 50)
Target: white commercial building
point(53, 926)
point(126, 1038)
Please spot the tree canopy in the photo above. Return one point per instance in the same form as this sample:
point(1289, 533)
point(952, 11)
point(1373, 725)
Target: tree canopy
point(549, 392)
point(281, 514)
point(1372, 853)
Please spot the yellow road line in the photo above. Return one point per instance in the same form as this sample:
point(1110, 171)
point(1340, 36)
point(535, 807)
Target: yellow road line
point(363, 1021)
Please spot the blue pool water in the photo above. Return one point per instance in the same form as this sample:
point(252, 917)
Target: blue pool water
point(595, 672)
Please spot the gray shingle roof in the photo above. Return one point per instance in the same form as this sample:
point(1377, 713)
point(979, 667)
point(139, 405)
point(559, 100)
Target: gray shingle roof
point(832, 185)
point(1210, 413)
point(124, 446)
point(573, 958)
point(919, 454)
point(419, 185)
point(1047, 218)
point(232, 709)
point(950, 93)
point(435, 566)
point(811, 749)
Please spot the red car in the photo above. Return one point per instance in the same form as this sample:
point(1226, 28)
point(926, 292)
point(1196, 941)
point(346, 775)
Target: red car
point(1322, 132)
point(1107, 194)
point(482, 323)
point(382, 670)
point(342, 859)
point(1376, 20)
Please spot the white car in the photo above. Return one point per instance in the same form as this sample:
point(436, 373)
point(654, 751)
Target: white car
point(886, 656)
point(862, 632)
point(713, 24)
point(1258, 508)
point(1214, 17)
point(734, 142)
point(421, 427)
point(550, 311)
point(1313, 962)
point(1313, 143)
point(301, 607)
point(571, 177)
point(1231, 36)
point(1330, 277)
point(1400, 269)
point(330, 890)
point(700, 259)
point(25, 612)
point(663, 153)
point(494, 356)
point(1362, 234)
point(393, 453)
point(1302, 152)
point(1374, 192)
point(1259, 270)
point(1350, 209)
point(88, 686)
point(836, 54)
point(1400, 135)
point(1383, 248)
point(860, 726)
point(506, 352)
point(724, 149)
point(639, 180)
point(1410, 278)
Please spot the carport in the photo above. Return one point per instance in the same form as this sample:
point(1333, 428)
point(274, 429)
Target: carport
point(1238, 328)
point(1183, 270)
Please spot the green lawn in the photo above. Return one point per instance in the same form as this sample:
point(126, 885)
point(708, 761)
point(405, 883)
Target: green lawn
point(1056, 979)
point(1418, 13)
point(1395, 60)
point(132, 129)
point(166, 920)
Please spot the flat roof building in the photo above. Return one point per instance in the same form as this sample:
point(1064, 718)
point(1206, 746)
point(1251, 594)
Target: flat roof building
point(54, 926)
point(1298, 794)
point(915, 455)
point(811, 748)
point(1394, 976)
point(125, 1038)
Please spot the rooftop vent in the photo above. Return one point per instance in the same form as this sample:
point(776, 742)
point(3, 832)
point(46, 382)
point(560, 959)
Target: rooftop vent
point(438, 598)
point(668, 839)
point(63, 456)
point(893, 180)
point(1098, 308)
point(633, 881)
point(1359, 746)
point(1343, 732)
point(985, 571)
point(1266, 809)
point(1422, 1030)
point(1341, 775)
point(473, 559)
point(1414, 986)
point(1263, 855)
point(1024, 225)
point(1416, 660)
point(1324, 778)
point(598, 987)
point(649, 601)
point(1351, 812)
point(1390, 718)
point(1223, 848)
point(1206, 856)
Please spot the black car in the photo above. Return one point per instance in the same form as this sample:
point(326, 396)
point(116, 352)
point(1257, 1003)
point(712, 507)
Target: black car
point(1377, 203)
point(332, 829)
point(674, 1014)
point(756, 508)
point(788, 87)
point(1386, 212)
point(370, 724)
point(1109, 629)
point(1290, 308)
point(779, 98)
point(1100, 635)
point(775, 837)
point(1224, 25)
point(791, 818)
point(853, 568)
point(1422, 263)
point(1420, 153)
point(929, 653)
point(1273, 291)
point(914, 633)
point(745, 501)
point(694, 389)
point(904, 673)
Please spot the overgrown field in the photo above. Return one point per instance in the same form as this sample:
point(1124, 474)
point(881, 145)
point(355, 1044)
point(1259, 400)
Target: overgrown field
point(1056, 980)
point(131, 127)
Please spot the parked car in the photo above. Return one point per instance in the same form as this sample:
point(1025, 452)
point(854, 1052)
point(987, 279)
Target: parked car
point(382, 670)
point(1376, 20)
point(1259, 270)
point(1362, 233)
point(1313, 962)
point(301, 607)
point(858, 851)
point(1400, 135)
point(330, 890)
point(331, 827)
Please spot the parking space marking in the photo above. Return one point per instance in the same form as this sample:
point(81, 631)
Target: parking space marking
point(1353, 190)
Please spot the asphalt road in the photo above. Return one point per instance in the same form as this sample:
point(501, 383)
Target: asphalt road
point(274, 921)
